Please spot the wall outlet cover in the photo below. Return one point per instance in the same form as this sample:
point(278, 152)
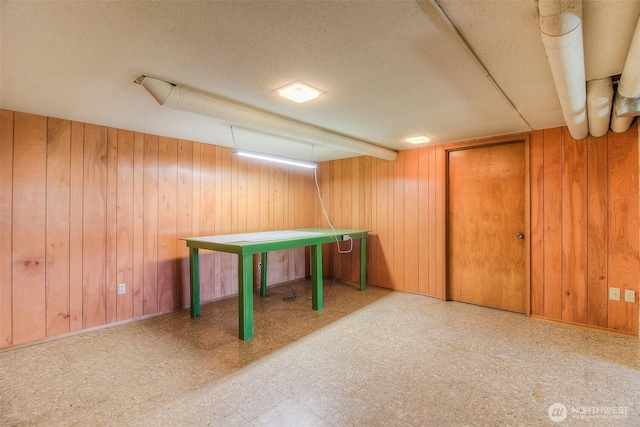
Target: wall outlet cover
point(630, 295)
point(614, 294)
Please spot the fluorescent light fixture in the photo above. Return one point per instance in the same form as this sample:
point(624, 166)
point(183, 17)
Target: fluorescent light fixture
point(299, 92)
point(418, 139)
point(277, 159)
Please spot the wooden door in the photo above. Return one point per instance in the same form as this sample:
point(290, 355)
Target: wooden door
point(486, 214)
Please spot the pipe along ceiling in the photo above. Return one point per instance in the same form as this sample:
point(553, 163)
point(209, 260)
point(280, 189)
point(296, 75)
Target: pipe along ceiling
point(587, 106)
point(182, 98)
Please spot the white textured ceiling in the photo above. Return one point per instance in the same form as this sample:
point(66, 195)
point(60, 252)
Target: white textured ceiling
point(388, 69)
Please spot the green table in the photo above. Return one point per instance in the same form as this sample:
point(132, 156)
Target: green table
point(247, 244)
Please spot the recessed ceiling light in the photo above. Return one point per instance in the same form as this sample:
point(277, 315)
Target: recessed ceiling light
point(418, 139)
point(299, 92)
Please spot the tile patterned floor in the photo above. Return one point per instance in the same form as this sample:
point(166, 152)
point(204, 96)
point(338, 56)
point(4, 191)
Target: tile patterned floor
point(374, 358)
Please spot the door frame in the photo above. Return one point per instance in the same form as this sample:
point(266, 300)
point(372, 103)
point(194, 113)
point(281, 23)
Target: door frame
point(527, 208)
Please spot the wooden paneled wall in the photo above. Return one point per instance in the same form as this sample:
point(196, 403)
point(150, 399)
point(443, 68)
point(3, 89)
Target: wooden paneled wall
point(584, 223)
point(85, 207)
point(402, 203)
point(584, 227)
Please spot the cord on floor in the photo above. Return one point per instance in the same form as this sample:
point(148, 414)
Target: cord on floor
point(289, 294)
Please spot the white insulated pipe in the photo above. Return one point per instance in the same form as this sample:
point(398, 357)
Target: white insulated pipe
point(561, 30)
point(181, 98)
point(629, 86)
point(599, 100)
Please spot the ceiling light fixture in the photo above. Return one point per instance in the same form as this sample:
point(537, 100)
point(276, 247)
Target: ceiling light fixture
point(418, 139)
point(299, 92)
point(277, 159)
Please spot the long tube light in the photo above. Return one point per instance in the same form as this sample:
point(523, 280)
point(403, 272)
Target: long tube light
point(277, 159)
point(182, 98)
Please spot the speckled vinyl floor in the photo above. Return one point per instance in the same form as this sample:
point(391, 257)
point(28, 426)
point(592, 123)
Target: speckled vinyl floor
point(370, 358)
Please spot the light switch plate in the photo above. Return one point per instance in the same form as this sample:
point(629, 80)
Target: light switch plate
point(614, 294)
point(630, 295)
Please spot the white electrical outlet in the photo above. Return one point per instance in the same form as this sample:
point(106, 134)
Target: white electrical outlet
point(614, 294)
point(122, 288)
point(629, 295)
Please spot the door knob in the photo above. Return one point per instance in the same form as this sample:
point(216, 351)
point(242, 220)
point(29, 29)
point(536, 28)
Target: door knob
point(520, 236)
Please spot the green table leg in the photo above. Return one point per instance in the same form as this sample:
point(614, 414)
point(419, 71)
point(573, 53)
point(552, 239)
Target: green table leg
point(316, 277)
point(245, 296)
point(263, 275)
point(363, 263)
point(194, 288)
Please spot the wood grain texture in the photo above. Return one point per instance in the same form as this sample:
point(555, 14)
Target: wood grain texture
point(253, 196)
point(235, 201)
point(242, 191)
point(300, 209)
point(353, 166)
point(344, 215)
point(369, 187)
point(150, 225)
point(207, 227)
point(597, 235)
point(28, 226)
point(411, 261)
point(398, 222)
point(230, 262)
point(76, 185)
point(218, 223)
point(486, 210)
point(167, 223)
point(390, 221)
point(94, 230)
point(537, 222)
point(101, 206)
point(554, 172)
point(125, 224)
point(373, 238)
point(440, 198)
point(137, 288)
point(197, 173)
point(383, 263)
point(111, 286)
point(552, 220)
point(184, 220)
point(6, 225)
point(433, 285)
point(423, 221)
point(233, 260)
point(277, 266)
point(57, 226)
point(367, 214)
point(574, 228)
point(527, 224)
point(325, 180)
point(623, 227)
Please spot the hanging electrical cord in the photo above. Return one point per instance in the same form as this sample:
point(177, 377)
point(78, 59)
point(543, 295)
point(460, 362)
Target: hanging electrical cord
point(324, 211)
point(289, 294)
point(233, 138)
